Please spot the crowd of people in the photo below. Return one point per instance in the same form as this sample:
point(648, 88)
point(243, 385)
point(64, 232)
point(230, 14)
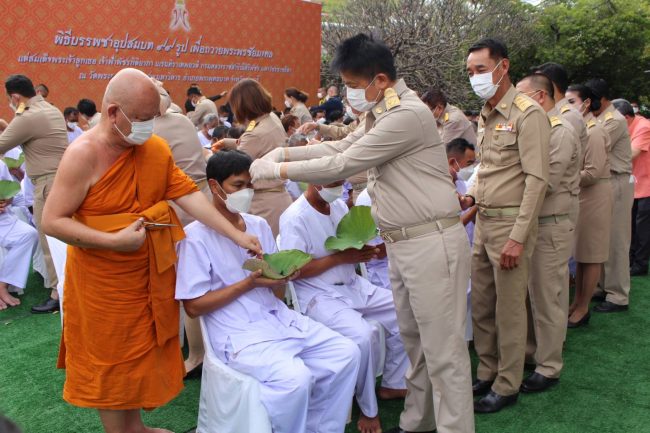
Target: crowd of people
point(485, 220)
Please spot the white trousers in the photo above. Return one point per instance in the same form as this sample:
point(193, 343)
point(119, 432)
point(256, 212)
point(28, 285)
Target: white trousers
point(307, 384)
point(350, 322)
point(19, 240)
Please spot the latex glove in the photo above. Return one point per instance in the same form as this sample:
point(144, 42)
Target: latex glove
point(276, 155)
point(308, 127)
point(264, 170)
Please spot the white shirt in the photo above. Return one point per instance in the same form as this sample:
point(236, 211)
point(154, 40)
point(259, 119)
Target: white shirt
point(205, 142)
point(209, 261)
point(304, 228)
point(462, 187)
point(72, 135)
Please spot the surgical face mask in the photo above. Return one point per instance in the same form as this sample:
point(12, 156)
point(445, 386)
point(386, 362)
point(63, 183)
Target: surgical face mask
point(287, 103)
point(321, 121)
point(210, 131)
point(466, 172)
point(319, 95)
point(240, 201)
point(331, 194)
point(140, 131)
point(223, 119)
point(72, 125)
point(357, 98)
point(350, 113)
point(482, 83)
point(635, 109)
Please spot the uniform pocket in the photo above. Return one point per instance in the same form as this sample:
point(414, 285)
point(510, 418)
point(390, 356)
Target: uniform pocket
point(506, 146)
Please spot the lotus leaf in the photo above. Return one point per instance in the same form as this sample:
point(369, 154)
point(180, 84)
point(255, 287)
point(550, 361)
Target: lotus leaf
point(14, 163)
point(354, 230)
point(8, 189)
point(279, 265)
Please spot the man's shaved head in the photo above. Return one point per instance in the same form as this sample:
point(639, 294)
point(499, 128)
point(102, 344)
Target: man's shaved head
point(134, 92)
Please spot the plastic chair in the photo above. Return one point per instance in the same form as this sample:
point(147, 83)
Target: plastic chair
point(230, 401)
point(59, 252)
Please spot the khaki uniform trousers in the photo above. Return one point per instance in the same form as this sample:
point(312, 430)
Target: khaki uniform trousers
point(42, 187)
point(499, 304)
point(615, 280)
point(183, 216)
point(429, 276)
point(548, 292)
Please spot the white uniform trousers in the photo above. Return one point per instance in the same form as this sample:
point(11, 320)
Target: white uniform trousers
point(19, 239)
point(307, 383)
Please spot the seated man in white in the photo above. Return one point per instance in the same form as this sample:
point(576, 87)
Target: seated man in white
point(330, 291)
point(377, 268)
point(307, 371)
point(19, 241)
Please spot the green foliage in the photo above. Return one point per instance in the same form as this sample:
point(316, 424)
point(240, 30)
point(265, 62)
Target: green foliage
point(8, 189)
point(279, 265)
point(14, 163)
point(354, 230)
point(609, 39)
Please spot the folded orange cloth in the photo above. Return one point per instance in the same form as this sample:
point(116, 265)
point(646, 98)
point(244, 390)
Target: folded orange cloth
point(120, 345)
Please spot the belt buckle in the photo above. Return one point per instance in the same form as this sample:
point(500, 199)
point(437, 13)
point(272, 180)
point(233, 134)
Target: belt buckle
point(386, 237)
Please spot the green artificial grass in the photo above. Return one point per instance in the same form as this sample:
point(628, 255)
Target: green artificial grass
point(605, 386)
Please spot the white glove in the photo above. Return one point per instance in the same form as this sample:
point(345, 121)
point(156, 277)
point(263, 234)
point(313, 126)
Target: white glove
point(308, 127)
point(276, 155)
point(264, 170)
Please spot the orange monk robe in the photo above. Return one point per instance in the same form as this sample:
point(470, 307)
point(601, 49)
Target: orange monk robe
point(120, 344)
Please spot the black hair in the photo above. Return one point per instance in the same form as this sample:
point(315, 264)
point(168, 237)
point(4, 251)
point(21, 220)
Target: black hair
point(496, 48)
point(541, 82)
point(599, 87)
point(69, 110)
point(458, 146)
point(334, 116)
point(297, 94)
point(434, 97)
point(194, 91)
point(555, 72)
point(235, 132)
point(364, 56)
point(87, 107)
point(220, 132)
point(587, 93)
point(624, 107)
point(226, 163)
point(20, 84)
point(44, 87)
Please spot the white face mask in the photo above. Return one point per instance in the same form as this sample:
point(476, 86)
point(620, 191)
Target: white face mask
point(72, 125)
point(357, 98)
point(466, 172)
point(350, 113)
point(223, 119)
point(140, 131)
point(321, 121)
point(287, 103)
point(635, 109)
point(482, 83)
point(240, 201)
point(331, 194)
point(210, 131)
point(319, 95)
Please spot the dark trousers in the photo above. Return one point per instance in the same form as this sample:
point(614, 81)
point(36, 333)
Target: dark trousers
point(640, 246)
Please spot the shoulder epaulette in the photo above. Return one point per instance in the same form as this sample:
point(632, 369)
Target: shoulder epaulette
point(609, 116)
point(522, 103)
point(446, 119)
point(591, 123)
point(251, 126)
point(565, 108)
point(555, 121)
point(392, 100)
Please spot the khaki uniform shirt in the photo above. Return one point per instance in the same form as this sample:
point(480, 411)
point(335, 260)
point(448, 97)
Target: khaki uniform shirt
point(205, 106)
point(595, 164)
point(620, 152)
point(42, 132)
point(93, 121)
point(575, 119)
point(301, 111)
point(408, 173)
point(454, 124)
point(181, 136)
point(513, 140)
point(262, 136)
point(564, 167)
point(339, 132)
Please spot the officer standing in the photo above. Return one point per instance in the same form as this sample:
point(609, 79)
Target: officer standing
point(452, 123)
point(615, 281)
point(513, 139)
point(40, 128)
point(548, 284)
point(417, 210)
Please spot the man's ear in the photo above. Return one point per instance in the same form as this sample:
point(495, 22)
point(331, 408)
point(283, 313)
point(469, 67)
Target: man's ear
point(382, 82)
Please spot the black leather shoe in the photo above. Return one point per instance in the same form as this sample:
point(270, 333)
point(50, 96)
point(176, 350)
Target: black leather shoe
point(609, 307)
point(481, 387)
point(637, 271)
point(49, 306)
point(600, 297)
point(399, 430)
point(582, 322)
point(537, 383)
point(494, 402)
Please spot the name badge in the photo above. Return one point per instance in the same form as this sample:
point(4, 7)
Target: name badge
point(506, 127)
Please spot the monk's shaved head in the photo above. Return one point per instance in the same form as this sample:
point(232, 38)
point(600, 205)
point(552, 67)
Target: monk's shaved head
point(134, 92)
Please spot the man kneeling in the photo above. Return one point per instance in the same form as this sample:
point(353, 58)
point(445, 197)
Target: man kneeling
point(330, 291)
point(306, 370)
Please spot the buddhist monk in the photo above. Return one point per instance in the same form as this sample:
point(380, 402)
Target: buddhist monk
point(120, 344)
